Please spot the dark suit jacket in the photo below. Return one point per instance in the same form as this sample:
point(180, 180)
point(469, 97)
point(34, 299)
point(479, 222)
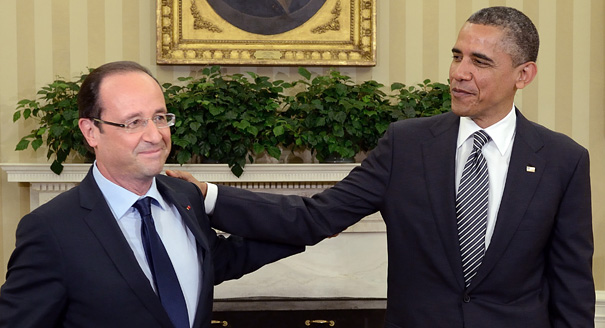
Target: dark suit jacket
point(537, 270)
point(72, 266)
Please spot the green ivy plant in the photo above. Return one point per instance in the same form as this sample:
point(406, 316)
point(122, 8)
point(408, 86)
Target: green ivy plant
point(226, 118)
point(231, 118)
point(56, 112)
point(421, 100)
point(338, 118)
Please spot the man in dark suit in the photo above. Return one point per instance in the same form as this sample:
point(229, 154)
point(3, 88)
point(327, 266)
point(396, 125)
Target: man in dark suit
point(82, 260)
point(532, 265)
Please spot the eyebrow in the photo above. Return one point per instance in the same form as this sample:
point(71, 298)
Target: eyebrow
point(475, 54)
point(137, 115)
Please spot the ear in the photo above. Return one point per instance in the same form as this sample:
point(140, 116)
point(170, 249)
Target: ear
point(527, 72)
point(89, 131)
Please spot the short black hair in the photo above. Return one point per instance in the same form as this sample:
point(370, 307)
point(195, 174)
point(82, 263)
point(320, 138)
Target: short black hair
point(88, 96)
point(521, 36)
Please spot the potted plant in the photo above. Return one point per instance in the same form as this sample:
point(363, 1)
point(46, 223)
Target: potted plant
point(56, 114)
point(421, 100)
point(336, 117)
point(232, 118)
point(226, 118)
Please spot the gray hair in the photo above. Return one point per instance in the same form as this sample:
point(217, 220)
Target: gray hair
point(521, 36)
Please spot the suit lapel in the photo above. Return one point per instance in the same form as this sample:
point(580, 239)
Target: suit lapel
point(107, 231)
point(524, 173)
point(439, 154)
point(189, 214)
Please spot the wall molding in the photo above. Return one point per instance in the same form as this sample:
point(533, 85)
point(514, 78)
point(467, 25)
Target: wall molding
point(298, 179)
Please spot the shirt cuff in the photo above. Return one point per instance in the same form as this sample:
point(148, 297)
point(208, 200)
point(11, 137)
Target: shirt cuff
point(210, 200)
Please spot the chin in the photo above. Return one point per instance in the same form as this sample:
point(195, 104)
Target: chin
point(151, 168)
point(461, 109)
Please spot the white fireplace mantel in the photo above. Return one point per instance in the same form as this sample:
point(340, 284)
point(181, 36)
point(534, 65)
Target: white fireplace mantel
point(300, 179)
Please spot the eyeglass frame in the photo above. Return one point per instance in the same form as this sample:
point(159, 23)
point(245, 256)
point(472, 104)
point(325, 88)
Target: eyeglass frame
point(169, 122)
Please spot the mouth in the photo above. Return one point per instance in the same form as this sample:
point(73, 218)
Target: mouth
point(151, 152)
point(457, 92)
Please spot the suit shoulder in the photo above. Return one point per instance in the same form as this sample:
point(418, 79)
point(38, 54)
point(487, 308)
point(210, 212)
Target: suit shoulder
point(57, 212)
point(62, 202)
point(421, 128)
point(178, 185)
point(424, 122)
point(557, 140)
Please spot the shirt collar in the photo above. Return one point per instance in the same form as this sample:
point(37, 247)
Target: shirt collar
point(119, 199)
point(501, 132)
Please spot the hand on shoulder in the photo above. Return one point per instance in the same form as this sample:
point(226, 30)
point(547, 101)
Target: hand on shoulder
point(188, 177)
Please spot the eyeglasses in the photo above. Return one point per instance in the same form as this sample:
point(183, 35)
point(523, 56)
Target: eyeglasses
point(137, 124)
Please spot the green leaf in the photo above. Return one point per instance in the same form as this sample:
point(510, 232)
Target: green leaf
point(274, 152)
point(56, 167)
point(195, 126)
point(252, 130)
point(242, 125)
point(304, 73)
point(37, 143)
point(183, 156)
point(22, 145)
point(278, 130)
point(258, 148)
point(214, 110)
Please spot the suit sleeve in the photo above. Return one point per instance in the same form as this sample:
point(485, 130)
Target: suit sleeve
point(569, 270)
point(234, 256)
point(34, 293)
point(302, 220)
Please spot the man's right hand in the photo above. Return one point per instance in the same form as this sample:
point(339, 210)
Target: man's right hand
point(188, 177)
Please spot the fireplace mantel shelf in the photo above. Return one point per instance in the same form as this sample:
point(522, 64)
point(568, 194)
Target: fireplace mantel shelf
point(220, 173)
point(300, 179)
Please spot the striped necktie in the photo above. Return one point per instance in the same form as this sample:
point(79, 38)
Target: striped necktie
point(471, 208)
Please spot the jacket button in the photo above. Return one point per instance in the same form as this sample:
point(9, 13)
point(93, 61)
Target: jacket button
point(466, 298)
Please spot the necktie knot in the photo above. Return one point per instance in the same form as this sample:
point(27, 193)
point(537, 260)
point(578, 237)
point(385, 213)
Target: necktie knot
point(480, 138)
point(143, 205)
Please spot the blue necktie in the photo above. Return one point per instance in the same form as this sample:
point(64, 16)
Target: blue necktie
point(166, 282)
point(471, 208)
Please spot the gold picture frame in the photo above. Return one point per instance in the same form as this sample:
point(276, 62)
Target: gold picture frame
point(334, 33)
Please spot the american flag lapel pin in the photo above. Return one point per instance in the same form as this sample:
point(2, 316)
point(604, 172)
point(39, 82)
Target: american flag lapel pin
point(530, 169)
point(188, 207)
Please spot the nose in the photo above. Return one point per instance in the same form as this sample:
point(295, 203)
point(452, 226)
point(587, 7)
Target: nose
point(460, 70)
point(152, 133)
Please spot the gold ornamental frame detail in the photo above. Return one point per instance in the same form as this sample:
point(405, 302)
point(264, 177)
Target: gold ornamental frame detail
point(316, 33)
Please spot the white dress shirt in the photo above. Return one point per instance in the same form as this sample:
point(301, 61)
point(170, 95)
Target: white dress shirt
point(497, 154)
point(178, 240)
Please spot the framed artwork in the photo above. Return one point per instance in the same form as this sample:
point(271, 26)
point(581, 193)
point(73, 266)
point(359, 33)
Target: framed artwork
point(267, 32)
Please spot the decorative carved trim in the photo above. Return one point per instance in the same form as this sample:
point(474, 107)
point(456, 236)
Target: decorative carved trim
point(293, 179)
point(333, 24)
point(342, 33)
point(199, 23)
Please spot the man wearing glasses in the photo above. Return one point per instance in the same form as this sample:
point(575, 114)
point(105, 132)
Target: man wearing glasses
point(127, 247)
